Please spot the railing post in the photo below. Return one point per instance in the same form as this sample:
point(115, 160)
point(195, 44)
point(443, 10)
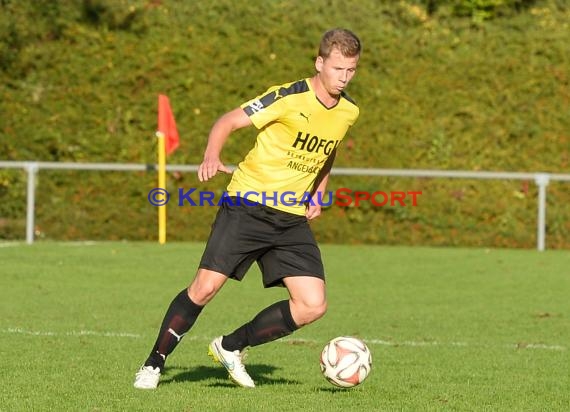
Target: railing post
point(31, 168)
point(542, 180)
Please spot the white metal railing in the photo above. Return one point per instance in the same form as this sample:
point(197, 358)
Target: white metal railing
point(541, 179)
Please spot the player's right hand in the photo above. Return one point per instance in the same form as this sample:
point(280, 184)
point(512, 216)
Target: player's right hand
point(209, 168)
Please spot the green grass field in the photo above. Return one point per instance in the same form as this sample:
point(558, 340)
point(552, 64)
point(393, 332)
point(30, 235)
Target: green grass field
point(449, 329)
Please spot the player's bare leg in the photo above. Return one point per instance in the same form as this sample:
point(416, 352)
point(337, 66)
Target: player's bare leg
point(307, 303)
point(178, 320)
point(205, 286)
point(308, 300)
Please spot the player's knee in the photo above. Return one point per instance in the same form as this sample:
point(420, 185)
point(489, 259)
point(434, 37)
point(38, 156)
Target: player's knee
point(319, 310)
point(202, 292)
point(311, 311)
point(205, 286)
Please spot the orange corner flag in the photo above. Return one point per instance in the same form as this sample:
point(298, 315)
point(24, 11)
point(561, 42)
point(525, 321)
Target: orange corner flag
point(167, 124)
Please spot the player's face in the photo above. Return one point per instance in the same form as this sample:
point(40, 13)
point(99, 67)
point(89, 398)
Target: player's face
point(336, 71)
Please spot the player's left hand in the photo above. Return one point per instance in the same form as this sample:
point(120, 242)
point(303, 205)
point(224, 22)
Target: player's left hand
point(313, 211)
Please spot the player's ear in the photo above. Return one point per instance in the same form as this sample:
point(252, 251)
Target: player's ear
point(319, 63)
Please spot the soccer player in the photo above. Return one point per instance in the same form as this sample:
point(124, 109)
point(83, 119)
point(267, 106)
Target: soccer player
point(272, 195)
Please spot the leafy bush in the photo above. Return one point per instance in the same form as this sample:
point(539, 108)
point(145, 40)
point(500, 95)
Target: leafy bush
point(438, 87)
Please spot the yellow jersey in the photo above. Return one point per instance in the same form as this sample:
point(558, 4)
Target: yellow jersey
point(297, 134)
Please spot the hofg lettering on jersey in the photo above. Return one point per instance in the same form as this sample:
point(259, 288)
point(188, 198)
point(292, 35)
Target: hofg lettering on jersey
point(314, 143)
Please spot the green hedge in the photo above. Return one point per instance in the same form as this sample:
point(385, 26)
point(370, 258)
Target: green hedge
point(468, 85)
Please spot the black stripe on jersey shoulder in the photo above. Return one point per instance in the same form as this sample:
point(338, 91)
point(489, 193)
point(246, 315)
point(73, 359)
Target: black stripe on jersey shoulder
point(347, 97)
point(268, 99)
point(300, 86)
point(294, 88)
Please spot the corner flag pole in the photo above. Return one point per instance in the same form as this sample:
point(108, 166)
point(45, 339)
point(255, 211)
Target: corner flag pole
point(168, 142)
point(161, 184)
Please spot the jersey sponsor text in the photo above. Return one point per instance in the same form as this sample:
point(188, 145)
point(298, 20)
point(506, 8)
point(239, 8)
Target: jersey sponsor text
point(314, 143)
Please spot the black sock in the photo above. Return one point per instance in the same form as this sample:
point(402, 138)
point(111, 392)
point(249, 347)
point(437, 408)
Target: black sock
point(270, 324)
point(179, 318)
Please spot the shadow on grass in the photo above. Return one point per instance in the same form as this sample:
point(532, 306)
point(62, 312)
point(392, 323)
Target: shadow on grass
point(261, 374)
point(338, 390)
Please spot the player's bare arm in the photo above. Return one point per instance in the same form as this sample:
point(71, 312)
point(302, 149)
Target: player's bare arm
point(314, 208)
point(221, 130)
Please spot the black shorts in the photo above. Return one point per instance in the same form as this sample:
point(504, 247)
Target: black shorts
point(282, 243)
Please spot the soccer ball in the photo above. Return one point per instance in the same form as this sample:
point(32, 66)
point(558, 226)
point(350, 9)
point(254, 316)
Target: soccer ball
point(346, 361)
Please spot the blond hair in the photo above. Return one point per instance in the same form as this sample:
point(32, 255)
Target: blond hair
point(342, 39)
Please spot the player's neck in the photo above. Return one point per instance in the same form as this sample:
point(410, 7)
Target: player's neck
point(324, 97)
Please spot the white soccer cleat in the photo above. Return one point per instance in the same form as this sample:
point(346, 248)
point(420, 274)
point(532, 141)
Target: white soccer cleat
point(147, 378)
point(232, 361)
